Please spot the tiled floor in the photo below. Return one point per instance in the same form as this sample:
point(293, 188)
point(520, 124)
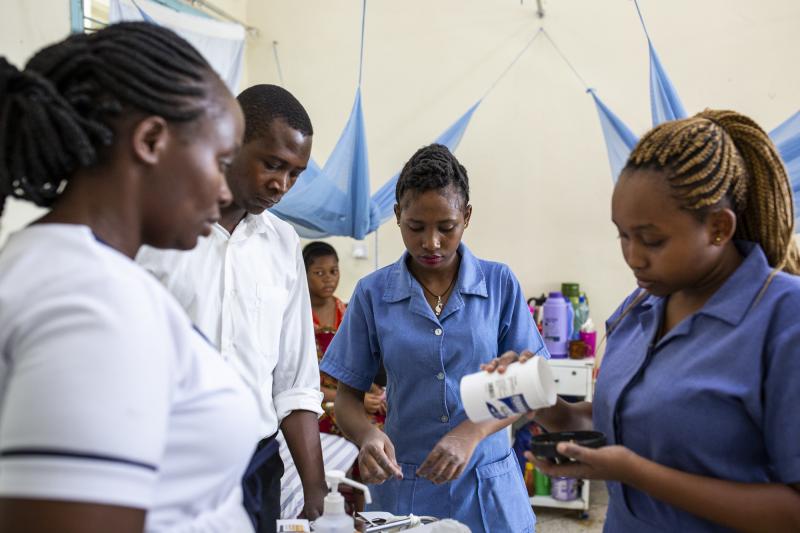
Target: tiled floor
point(562, 521)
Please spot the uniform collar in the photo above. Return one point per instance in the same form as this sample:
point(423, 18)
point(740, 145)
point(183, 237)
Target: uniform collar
point(250, 225)
point(734, 298)
point(400, 283)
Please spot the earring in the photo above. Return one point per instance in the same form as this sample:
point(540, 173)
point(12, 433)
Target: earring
point(717, 239)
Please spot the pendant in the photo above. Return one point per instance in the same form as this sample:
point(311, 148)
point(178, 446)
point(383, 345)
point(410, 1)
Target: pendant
point(438, 309)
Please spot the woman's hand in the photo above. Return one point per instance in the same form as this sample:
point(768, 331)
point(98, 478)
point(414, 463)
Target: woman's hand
point(501, 363)
point(374, 400)
point(612, 463)
point(376, 459)
point(451, 455)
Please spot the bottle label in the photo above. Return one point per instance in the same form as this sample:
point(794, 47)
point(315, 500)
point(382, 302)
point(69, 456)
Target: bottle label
point(552, 329)
point(509, 405)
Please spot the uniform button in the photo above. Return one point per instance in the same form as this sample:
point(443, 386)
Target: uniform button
point(440, 376)
point(444, 418)
point(437, 331)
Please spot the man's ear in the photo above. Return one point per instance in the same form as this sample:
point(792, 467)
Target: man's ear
point(150, 139)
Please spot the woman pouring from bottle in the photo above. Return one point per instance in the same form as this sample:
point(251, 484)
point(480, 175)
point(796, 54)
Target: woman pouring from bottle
point(432, 317)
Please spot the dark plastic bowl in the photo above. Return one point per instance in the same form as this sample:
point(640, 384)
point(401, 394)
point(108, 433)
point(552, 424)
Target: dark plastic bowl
point(545, 445)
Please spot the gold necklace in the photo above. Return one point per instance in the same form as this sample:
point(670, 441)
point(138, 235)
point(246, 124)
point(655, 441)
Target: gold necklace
point(437, 309)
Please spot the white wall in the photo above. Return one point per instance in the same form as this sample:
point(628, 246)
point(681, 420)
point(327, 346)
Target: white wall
point(26, 26)
point(539, 174)
point(534, 151)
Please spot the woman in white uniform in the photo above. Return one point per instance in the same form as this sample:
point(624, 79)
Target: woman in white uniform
point(115, 414)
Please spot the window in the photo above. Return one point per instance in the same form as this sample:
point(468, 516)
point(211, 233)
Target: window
point(92, 15)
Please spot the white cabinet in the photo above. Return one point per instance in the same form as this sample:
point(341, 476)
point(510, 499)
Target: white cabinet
point(573, 378)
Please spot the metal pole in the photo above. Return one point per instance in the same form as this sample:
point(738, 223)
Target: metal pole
point(361, 50)
point(76, 24)
point(277, 61)
point(90, 19)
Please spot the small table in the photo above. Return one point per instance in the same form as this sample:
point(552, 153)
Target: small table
point(573, 378)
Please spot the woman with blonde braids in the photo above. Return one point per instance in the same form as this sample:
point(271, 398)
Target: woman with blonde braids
point(698, 392)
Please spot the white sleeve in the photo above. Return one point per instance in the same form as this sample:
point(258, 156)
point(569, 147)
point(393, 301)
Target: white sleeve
point(87, 395)
point(296, 375)
point(229, 517)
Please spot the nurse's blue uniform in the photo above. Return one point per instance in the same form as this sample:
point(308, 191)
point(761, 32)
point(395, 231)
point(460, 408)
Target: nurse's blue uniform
point(425, 357)
point(717, 396)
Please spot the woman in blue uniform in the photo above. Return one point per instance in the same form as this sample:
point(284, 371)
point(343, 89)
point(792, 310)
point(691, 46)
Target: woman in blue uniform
point(698, 392)
point(432, 317)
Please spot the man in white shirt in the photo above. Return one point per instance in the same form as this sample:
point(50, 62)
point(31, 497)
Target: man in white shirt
point(245, 288)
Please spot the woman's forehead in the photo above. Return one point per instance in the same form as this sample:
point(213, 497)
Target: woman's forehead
point(445, 200)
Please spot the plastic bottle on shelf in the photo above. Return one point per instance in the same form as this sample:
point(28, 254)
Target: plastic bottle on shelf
point(581, 316)
point(564, 489)
point(589, 336)
point(571, 292)
point(557, 322)
point(530, 479)
point(542, 483)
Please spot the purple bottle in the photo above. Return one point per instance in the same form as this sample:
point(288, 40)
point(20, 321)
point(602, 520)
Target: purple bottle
point(557, 317)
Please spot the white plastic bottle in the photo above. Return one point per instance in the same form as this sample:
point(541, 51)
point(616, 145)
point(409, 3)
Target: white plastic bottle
point(334, 519)
point(581, 316)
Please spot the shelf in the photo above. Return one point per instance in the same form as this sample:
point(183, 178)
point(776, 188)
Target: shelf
point(573, 378)
point(578, 363)
point(547, 501)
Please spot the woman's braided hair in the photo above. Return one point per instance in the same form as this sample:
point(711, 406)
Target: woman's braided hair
point(432, 167)
point(55, 115)
point(722, 156)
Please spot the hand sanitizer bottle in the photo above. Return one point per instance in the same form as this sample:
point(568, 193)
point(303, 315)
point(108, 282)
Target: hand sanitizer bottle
point(334, 519)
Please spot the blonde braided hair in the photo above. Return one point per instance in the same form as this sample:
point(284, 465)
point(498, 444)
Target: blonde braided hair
point(717, 156)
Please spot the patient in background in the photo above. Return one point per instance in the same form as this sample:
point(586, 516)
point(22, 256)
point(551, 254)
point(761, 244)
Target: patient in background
point(322, 270)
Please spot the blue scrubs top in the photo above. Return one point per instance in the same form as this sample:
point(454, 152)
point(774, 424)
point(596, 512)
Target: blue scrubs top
point(425, 358)
point(717, 396)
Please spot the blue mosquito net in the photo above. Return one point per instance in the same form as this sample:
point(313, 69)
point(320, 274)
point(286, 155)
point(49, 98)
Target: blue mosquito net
point(620, 140)
point(384, 199)
point(335, 199)
point(665, 104)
